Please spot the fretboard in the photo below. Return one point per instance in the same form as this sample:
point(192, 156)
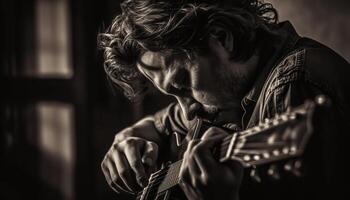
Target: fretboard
point(169, 176)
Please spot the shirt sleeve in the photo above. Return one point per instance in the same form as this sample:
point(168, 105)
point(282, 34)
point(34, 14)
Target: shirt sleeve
point(173, 128)
point(170, 120)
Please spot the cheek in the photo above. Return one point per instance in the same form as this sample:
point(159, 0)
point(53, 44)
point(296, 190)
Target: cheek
point(205, 85)
point(205, 97)
point(156, 78)
point(201, 78)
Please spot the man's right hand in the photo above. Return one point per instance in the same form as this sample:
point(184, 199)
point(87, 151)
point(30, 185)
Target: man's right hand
point(129, 162)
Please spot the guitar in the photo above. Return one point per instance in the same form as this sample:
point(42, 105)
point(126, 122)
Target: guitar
point(283, 137)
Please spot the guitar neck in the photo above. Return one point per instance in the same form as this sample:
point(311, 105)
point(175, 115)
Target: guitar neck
point(284, 136)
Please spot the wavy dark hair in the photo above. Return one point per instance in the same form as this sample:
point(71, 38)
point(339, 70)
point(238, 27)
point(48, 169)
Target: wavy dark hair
point(180, 25)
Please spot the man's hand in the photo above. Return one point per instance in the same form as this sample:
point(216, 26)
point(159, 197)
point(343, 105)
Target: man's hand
point(203, 177)
point(129, 162)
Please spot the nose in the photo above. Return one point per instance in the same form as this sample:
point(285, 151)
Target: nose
point(177, 81)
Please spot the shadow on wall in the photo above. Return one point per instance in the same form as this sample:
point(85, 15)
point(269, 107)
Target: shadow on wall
point(323, 20)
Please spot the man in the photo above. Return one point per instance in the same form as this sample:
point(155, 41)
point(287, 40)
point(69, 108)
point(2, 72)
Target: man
point(230, 63)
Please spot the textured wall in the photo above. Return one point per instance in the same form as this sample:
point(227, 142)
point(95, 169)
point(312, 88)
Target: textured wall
point(327, 21)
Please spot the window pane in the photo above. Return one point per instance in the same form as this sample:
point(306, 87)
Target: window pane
point(55, 140)
point(53, 41)
point(37, 151)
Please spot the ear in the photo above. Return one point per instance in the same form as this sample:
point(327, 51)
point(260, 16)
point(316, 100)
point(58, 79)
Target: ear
point(224, 36)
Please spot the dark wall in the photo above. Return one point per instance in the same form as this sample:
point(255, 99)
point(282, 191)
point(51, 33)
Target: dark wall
point(99, 112)
point(323, 20)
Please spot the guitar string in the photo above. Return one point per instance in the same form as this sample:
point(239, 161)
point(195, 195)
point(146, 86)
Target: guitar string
point(170, 172)
point(264, 145)
point(224, 147)
point(224, 144)
point(161, 171)
point(162, 174)
point(157, 175)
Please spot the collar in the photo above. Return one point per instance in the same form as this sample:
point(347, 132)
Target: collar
point(279, 41)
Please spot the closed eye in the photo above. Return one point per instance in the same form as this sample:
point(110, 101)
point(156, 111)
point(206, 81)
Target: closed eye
point(149, 67)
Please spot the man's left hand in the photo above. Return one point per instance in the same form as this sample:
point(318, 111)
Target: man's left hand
point(204, 177)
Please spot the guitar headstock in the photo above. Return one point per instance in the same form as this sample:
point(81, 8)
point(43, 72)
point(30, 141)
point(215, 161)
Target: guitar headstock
point(284, 136)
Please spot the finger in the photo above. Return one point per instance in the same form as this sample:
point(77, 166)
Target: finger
point(236, 167)
point(213, 132)
point(124, 171)
point(114, 180)
point(105, 170)
point(191, 164)
point(203, 155)
point(188, 190)
point(184, 173)
point(150, 154)
point(189, 169)
point(193, 171)
point(133, 156)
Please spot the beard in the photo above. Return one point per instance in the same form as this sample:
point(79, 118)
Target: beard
point(231, 91)
point(233, 86)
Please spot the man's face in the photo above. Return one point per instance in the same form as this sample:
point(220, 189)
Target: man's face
point(205, 85)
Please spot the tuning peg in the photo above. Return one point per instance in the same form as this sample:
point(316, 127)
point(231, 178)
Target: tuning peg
point(254, 175)
point(264, 124)
point(322, 100)
point(267, 121)
point(288, 166)
point(294, 166)
point(292, 115)
point(296, 169)
point(273, 172)
point(284, 117)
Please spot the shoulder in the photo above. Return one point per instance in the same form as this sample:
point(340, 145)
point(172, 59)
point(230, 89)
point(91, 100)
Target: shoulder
point(308, 70)
point(312, 63)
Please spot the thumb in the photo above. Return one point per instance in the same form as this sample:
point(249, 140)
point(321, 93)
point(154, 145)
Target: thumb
point(237, 168)
point(214, 132)
point(150, 154)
